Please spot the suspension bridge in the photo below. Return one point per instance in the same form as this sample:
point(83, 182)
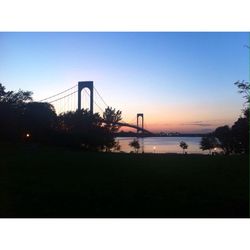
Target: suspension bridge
point(71, 100)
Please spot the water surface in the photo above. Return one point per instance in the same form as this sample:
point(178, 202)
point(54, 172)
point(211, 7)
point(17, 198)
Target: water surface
point(162, 144)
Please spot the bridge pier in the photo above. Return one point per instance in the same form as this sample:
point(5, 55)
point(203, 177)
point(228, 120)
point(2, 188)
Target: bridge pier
point(90, 86)
point(137, 120)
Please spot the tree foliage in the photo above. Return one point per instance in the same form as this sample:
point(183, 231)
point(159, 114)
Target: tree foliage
point(135, 144)
point(224, 135)
point(236, 138)
point(38, 119)
point(111, 118)
point(184, 146)
point(244, 89)
point(12, 105)
point(208, 142)
point(87, 130)
point(12, 97)
point(79, 121)
point(240, 134)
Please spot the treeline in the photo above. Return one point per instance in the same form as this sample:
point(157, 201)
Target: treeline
point(22, 120)
point(235, 139)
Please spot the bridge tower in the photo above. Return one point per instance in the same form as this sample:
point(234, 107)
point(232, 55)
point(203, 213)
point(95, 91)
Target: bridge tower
point(90, 86)
point(142, 119)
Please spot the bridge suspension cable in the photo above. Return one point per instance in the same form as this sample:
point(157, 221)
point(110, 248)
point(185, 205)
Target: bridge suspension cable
point(57, 94)
point(105, 102)
point(101, 97)
point(63, 97)
point(94, 101)
point(106, 105)
point(63, 101)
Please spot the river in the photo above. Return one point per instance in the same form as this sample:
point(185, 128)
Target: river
point(163, 144)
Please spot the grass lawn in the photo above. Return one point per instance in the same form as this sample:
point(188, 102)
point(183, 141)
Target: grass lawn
point(56, 182)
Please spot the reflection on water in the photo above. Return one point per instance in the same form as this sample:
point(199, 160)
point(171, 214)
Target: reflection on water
point(163, 144)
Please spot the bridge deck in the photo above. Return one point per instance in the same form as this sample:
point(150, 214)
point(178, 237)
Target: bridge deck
point(124, 124)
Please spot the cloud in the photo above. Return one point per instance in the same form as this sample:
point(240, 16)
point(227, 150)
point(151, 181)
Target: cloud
point(197, 123)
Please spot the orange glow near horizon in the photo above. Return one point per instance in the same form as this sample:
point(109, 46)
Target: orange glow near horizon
point(185, 118)
point(176, 127)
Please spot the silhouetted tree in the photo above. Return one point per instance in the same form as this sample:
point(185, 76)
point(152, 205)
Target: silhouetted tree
point(12, 97)
point(244, 88)
point(11, 112)
point(135, 144)
point(85, 129)
point(38, 120)
point(183, 145)
point(236, 139)
point(111, 117)
point(246, 113)
point(117, 147)
point(240, 133)
point(208, 142)
point(224, 135)
point(79, 121)
point(240, 129)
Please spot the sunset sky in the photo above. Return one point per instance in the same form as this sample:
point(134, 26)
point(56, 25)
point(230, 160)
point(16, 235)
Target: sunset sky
point(180, 81)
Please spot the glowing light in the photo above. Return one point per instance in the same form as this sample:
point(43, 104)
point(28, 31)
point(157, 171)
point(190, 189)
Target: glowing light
point(27, 135)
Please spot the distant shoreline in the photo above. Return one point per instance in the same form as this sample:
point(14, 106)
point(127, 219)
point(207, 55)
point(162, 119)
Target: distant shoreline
point(157, 135)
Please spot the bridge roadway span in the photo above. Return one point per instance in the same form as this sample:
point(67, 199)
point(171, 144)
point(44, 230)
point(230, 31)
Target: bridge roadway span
point(124, 124)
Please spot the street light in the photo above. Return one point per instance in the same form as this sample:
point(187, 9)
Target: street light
point(154, 148)
point(214, 151)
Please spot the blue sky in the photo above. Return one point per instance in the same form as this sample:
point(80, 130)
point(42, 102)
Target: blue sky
point(180, 81)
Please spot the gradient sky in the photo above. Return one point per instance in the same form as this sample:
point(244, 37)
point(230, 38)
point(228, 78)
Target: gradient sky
point(180, 81)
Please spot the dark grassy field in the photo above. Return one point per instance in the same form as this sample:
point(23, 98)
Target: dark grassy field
point(54, 182)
